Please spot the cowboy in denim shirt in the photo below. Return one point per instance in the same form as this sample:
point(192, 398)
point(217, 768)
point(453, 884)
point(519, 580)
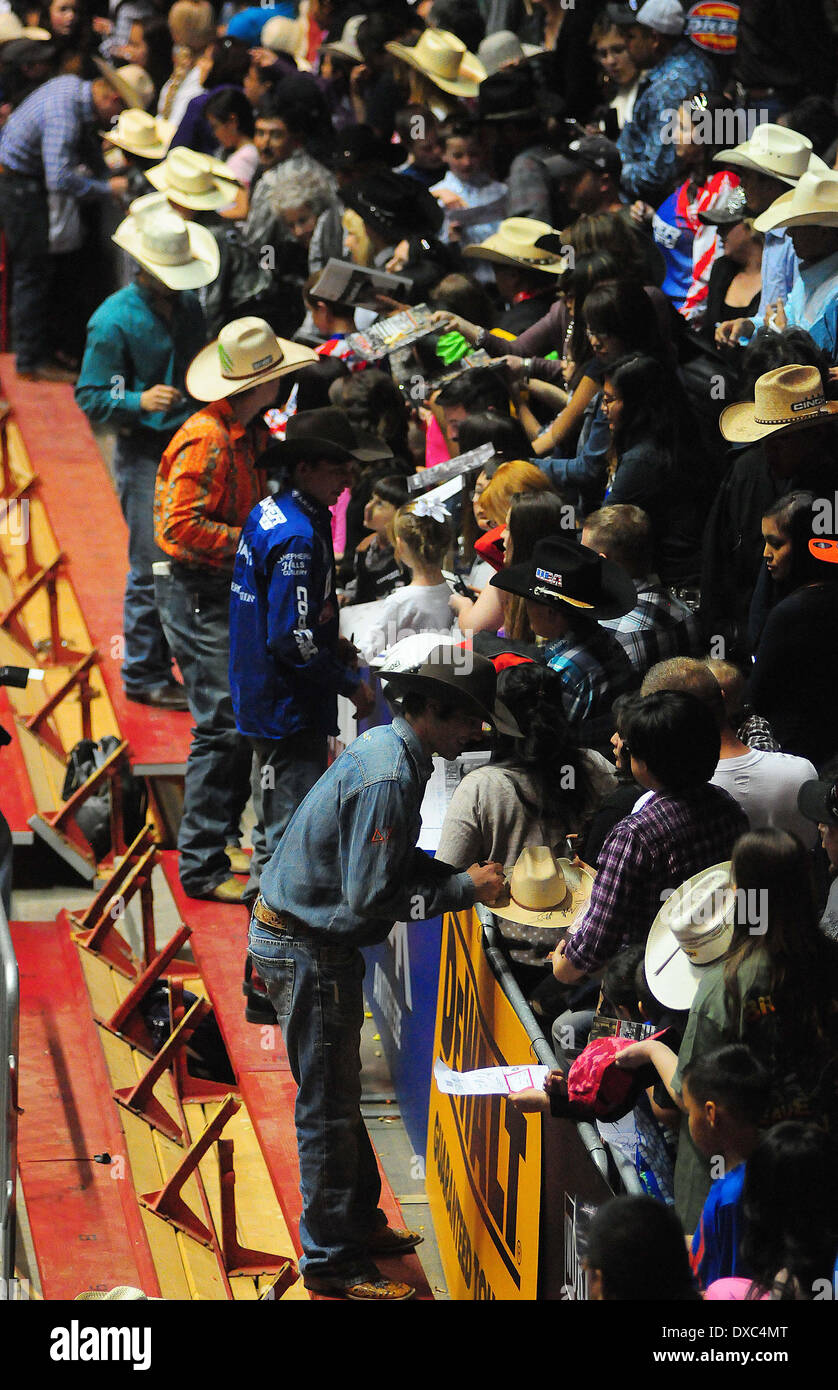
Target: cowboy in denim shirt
point(346, 868)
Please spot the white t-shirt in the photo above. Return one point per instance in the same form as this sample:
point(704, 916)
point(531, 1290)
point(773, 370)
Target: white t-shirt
point(415, 608)
point(766, 787)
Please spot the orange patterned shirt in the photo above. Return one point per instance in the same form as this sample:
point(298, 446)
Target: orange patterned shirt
point(207, 486)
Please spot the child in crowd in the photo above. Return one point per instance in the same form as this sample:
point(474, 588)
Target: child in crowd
point(377, 572)
point(635, 1252)
point(421, 535)
point(726, 1094)
point(467, 185)
point(418, 130)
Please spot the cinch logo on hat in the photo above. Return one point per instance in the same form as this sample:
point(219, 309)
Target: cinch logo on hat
point(811, 403)
point(712, 25)
point(262, 362)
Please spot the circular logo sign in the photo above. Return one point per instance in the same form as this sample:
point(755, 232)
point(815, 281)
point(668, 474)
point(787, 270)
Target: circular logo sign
point(712, 24)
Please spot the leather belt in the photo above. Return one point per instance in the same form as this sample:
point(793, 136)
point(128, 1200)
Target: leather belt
point(283, 926)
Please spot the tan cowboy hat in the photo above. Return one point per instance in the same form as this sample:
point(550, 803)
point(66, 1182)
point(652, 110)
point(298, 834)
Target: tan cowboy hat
point(545, 896)
point(444, 60)
point(246, 353)
point(141, 134)
point(813, 202)
point(193, 180)
point(776, 151)
point(693, 929)
point(132, 83)
point(183, 255)
point(283, 35)
point(514, 243)
point(784, 398)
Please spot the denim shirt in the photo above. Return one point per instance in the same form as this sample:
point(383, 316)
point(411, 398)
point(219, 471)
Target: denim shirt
point(347, 866)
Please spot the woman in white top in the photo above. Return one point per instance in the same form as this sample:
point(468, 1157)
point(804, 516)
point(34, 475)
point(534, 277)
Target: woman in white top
point(229, 115)
point(421, 535)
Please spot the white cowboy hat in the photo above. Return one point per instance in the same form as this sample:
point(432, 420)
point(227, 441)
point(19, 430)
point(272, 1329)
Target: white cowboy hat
point(283, 35)
point(776, 151)
point(132, 83)
point(813, 202)
point(183, 255)
point(141, 134)
point(783, 398)
point(693, 929)
point(545, 896)
point(245, 353)
point(347, 45)
point(514, 243)
point(193, 180)
point(503, 47)
point(444, 60)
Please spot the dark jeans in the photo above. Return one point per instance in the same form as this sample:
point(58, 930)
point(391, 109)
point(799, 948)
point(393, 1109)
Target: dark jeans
point(284, 772)
point(148, 661)
point(24, 216)
point(194, 610)
point(318, 996)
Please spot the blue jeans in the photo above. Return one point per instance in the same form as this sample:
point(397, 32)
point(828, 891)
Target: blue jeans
point(290, 767)
point(24, 217)
point(148, 661)
point(194, 610)
point(318, 996)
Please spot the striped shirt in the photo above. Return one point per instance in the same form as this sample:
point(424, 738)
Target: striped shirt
point(594, 669)
point(650, 851)
point(43, 138)
point(207, 486)
point(659, 626)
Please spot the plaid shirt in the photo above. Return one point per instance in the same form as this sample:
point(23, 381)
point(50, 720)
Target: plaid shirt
point(207, 486)
point(658, 627)
point(656, 848)
point(594, 669)
point(44, 138)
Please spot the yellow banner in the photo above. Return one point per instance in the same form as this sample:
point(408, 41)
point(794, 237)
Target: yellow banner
point(483, 1169)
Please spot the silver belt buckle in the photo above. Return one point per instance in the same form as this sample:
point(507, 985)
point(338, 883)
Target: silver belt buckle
point(163, 568)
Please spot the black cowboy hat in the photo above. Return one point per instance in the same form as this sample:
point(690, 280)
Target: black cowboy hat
point(359, 144)
point(394, 206)
point(324, 433)
point(564, 574)
point(446, 675)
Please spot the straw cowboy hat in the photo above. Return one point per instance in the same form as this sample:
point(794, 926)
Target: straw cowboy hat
point(545, 895)
point(246, 353)
point(564, 574)
point(12, 28)
point(693, 929)
point(193, 181)
point(813, 202)
point(785, 398)
point(132, 83)
point(515, 243)
point(773, 150)
point(283, 35)
point(444, 60)
point(141, 134)
point(183, 255)
point(472, 684)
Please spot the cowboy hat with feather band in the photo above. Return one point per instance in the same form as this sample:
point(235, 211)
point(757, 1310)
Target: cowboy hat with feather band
point(693, 929)
point(470, 683)
point(444, 60)
point(563, 574)
point(192, 180)
point(183, 255)
point(246, 353)
point(132, 83)
point(324, 433)
point(141, 134)
point(516, 243)
point(813, 202)
point(544, 895)
point(776, 151)
point(784, 398)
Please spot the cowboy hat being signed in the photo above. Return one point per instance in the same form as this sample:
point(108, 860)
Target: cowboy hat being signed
point(544, 897)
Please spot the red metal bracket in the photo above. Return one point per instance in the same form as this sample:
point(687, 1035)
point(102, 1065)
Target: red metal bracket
point(52, 648)
point(189, 1087)
point(127, 1021)
point(167, 1202)
point(59, 829)
point(19, 495)
point(36, 724)
point(237, 1258)
point(140, 1099)
point(96, 929)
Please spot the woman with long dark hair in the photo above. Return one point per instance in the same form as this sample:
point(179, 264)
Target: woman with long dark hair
point(775, 989)
point(652, 434)
point(787, 562)
point(536, 790)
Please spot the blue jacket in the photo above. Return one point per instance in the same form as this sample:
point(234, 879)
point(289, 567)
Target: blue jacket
point(347, 866)
point(650, 162)
point(284, 671)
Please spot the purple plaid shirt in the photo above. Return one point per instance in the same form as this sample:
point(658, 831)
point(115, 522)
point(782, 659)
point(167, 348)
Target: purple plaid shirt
point(656, 848)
